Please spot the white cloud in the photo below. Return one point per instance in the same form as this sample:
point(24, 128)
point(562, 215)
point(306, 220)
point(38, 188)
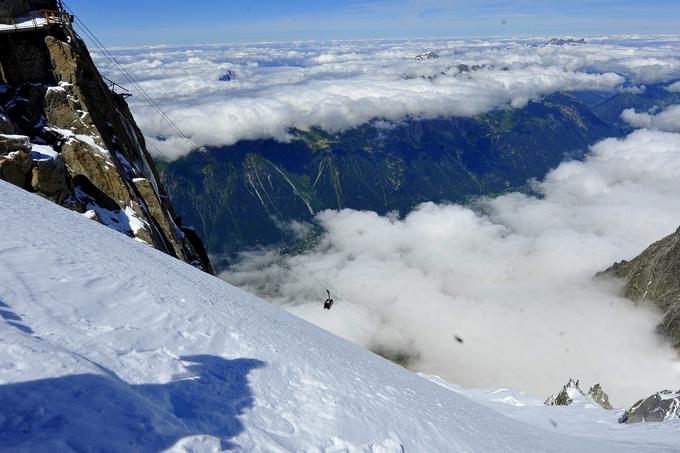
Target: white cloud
point(512, 276)
point(674, 87)
point(339, 85)
point(667, 120)
point(337, 106)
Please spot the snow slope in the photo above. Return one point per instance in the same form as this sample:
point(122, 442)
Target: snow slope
point(108, 344)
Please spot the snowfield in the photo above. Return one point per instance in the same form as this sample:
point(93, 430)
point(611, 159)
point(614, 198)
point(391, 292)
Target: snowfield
point(109, 345)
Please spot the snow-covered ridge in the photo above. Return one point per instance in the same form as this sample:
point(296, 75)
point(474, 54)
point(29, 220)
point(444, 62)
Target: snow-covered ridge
point(108, 344)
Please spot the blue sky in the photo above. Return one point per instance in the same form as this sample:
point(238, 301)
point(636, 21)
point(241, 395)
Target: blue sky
point(134, 22)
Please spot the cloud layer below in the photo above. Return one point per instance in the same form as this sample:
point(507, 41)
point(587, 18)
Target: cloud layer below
point(665, 120)
point(339, 85)
point(511, 276)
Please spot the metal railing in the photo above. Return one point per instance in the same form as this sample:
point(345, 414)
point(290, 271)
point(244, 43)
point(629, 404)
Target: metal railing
point(38, 19)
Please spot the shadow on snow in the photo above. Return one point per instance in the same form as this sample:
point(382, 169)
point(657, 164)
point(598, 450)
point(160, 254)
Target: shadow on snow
point(13, 319)
point(91, 412)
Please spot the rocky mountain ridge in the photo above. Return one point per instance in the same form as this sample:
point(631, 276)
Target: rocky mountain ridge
point(654, 277)
point(660, 407)
point(66, 136)
point(430, 55)
point(571, 393)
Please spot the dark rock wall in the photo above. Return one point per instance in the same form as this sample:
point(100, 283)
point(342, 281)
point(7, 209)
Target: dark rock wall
point(12, 9)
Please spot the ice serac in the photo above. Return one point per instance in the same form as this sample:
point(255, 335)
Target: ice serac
point(68, 137)
point(654, 276)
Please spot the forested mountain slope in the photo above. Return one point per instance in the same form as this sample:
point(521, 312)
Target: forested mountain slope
point(239, 197)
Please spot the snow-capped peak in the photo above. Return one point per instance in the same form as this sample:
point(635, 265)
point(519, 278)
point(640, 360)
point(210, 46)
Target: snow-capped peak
point(431, 55)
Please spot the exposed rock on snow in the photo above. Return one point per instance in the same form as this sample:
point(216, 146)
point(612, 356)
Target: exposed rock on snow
point(660, 407)
point(572, 394)
point(569, 393)
point(565, 42)
point(654, 276)
point(427, 56)
point(600, 397)
point(48, 178)
point(11, 143)
point(15, 159)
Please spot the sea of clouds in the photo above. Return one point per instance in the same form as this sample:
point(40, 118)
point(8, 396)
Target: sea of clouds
point(339, 85)
point(513, 277)
point(497, 293)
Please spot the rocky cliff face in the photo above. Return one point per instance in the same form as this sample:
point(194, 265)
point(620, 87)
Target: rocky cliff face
point(67, 137)
point(661, 407)
point(654, 276)
point(597, 394)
